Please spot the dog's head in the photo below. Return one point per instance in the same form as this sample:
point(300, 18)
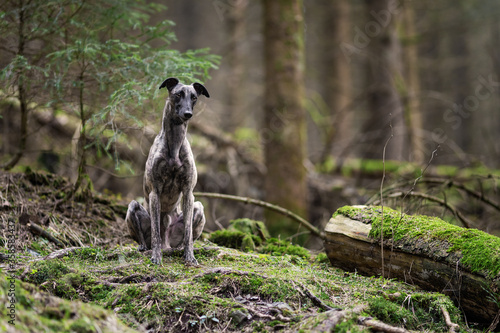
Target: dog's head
point(183, 97)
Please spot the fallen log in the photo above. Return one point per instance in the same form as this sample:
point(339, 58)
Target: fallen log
point(426, 251)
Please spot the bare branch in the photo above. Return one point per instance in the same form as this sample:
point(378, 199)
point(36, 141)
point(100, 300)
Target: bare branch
point(278, 209)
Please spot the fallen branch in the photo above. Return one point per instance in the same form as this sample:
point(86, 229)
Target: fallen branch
point(451, 326)
point(37, 230)
point(281, 210)
point(465, 221)
point(62, 253)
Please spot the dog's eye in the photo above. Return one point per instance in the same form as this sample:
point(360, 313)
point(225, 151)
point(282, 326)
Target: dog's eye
point(194, 98)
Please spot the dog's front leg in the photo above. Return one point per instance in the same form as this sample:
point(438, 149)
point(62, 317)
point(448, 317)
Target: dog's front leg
point(187, 211)
point(154, 209)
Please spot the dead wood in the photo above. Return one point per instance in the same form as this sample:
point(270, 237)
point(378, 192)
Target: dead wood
point(39, 231)
point(349, 247)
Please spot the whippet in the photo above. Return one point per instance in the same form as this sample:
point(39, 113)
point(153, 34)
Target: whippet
point(169, 176)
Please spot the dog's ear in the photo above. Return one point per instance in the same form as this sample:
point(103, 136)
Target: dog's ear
point(200, 89)
point(170, 83)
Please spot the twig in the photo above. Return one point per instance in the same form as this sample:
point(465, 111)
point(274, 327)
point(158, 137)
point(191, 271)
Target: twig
point(451, 326)
point(494, 323)
point(460, 186)
point(447, 183)
point(316, 301)
point(382, 200)
point(281, 210)
point(465, 221)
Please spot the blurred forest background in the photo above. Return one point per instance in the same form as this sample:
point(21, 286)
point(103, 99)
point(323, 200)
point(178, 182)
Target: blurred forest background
point(313, 103)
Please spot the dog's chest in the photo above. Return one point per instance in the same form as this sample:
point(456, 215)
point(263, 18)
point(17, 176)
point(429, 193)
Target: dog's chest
point(168, 179)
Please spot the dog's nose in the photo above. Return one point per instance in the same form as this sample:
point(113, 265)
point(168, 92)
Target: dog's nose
point(188, 114)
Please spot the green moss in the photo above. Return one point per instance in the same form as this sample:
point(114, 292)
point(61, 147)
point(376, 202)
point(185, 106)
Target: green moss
point(417, 311)
point(275, 247)
point(42, 271)
point(477, 250)
point(37, 311)
point(235, 239)
point(391, 313)
point(251, 227)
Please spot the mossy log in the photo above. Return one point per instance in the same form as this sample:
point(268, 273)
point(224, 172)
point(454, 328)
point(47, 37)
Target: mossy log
point(421, 250)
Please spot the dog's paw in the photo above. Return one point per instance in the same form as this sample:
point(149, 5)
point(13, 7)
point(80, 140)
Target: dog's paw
point(156, 259)
point(190, 260)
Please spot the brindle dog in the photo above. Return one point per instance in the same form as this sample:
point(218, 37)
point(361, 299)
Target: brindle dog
point(169, 176)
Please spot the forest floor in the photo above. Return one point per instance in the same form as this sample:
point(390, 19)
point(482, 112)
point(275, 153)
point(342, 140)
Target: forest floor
point(77, 271)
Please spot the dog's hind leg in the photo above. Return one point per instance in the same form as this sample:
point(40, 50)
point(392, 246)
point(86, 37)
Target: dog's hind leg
point(198, 219)
point(139, 225)
point(176, 229)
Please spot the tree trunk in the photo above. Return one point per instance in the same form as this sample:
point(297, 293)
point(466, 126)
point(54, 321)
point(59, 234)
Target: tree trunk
point(235, 26)
point(283, 131)
point(413, 113)
point(21, 87)
point(337, 76)
point(384, 69)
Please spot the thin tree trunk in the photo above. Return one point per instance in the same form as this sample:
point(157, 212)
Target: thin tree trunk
point(284, 128)
point(413, 113)
point(236, 29)
point(337, 75)
point(384, 68)
point(23, 102)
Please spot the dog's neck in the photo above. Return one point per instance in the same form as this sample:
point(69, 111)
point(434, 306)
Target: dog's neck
point(173, 133)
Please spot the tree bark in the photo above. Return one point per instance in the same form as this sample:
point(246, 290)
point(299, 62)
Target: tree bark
point(283, 130)
point(413, 113)
point(235, 27)
point(384, 68)
point(337, 76)
point(21, 88)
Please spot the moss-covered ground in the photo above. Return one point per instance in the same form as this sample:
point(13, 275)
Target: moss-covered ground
point(231, 290)
point(103, 284)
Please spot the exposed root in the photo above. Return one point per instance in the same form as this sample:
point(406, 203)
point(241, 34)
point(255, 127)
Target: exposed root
point(336, 316)
point(452, 327)
point(379, 326)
